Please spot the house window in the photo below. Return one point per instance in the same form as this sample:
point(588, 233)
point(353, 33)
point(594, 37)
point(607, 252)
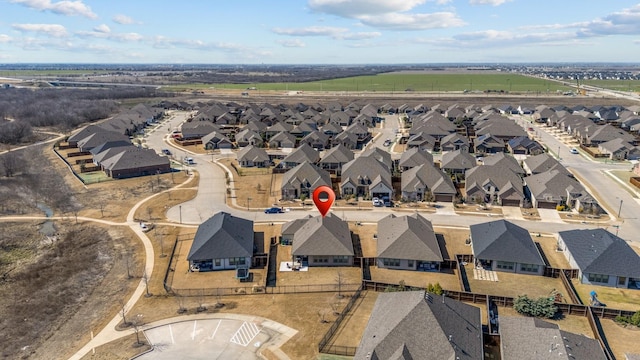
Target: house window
point(410, 263)
point(237, 261)
point(218, 262)
point(321, 259)
point(599, 278)
point(340, 259)
point(529, 268)
point(504, 265)
point(622, 280)
point(391, 262)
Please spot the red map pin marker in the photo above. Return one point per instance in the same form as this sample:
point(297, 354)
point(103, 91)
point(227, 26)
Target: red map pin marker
point(323, 197)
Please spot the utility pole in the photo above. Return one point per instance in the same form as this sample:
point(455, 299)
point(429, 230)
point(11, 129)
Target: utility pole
point(620, 208)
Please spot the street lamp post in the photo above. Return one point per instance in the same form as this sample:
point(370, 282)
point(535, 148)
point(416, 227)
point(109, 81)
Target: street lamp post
point(248, 202)
point(180, 208)
point(558, 152)
point(620, 208)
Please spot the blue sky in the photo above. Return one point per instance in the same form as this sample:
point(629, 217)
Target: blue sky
point(319, 31)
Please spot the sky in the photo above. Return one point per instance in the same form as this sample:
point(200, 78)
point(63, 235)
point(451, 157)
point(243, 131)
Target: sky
point(319, 31)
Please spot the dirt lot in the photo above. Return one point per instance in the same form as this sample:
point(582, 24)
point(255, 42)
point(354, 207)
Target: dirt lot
point(510, 284)
point(65, 288)
point(615, 298)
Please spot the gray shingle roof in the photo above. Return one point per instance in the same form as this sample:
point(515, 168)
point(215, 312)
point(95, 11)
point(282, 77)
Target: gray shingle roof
point(407, 237)
point(543, 162)
point(597, 251)
point(527, 338)
point(429, 177)
point(502, 240)
point(302, 154)
point(339, 154)
point(405, 325)
point(222, 236)
point(133, 157)
point(306, 175)
point(414, 157)
point(554, 185)
point(326, 236)
point(290, 228)
point(252, 153)
point(458, 160)
point(365, 167)
point(505, 160)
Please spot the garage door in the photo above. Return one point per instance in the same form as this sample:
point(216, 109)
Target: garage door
point(444, 198)
point(510, 202)
point(546, 205)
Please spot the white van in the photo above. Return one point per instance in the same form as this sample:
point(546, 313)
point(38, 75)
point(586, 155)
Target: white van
point(189, 161)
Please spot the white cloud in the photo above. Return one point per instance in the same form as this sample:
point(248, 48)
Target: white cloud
point(292, 43)
point(311, 31)
point(360, 35)
point(4, 38)
point(103, 28)
point(356, 8)
point(163, 42)
point(65, 7)
point(488, 2)
point(389, 14)
point(123, 19)
point(54, 30)
point(625, 22)
point(397, 21)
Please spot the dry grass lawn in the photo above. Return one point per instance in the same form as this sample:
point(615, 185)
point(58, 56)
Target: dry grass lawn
point(473, 209)
point(254, 184)
point(621, 340)
point(512, 285)
point(615, 298)
point(556, 258)
point(155, 209)
point(571, 323)
point(448, 279)
point(352, 328)
point(454, 241)
point(368, 243)
point(317, 275)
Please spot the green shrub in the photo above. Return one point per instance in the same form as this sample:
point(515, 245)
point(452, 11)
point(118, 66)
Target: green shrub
point(541, 307)
point(622, 319)
point(635, 319)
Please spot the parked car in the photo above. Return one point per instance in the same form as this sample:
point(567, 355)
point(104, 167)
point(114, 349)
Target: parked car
point(274, 210)
point(574, 151)
point(387, 142)
point(377, 202)
point(189, 161)
point(166, 152)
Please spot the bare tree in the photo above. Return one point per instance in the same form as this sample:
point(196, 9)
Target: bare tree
point(201, 302)
point(145, 279)
point(339, 282)
point(137, 324)
point(429, 198)
point(181, 304)
point(123, 313)
point(126, 255)
point(10, 163)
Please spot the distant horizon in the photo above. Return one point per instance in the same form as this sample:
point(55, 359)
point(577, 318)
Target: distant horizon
point(479, 64)
point(320, 32)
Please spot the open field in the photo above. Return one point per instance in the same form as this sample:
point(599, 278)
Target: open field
point(616, 298)
point(620, 85)
point(404, 82)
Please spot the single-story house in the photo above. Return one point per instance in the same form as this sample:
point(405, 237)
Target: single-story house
point(419, 325)
point(417, 181)
point(407, 243)
point(366, 176)
point(133, 161)
point(323, 241)
point(601, 257)
point(303, 180)
point(503, 246)
point(216, 140)
point(222, 242)
point(522, 145)
point(252, 156)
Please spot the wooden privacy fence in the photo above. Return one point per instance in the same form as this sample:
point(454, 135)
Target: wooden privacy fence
point(323, 346)
point(259, 289)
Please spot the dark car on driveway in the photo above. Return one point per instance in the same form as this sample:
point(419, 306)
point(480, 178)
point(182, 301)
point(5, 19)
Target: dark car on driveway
point(274, 210)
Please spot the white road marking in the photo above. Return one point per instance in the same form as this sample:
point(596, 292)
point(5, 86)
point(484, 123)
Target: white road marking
point(245, 334)
point(216, 330)
point(193, 333)
point(171, 333)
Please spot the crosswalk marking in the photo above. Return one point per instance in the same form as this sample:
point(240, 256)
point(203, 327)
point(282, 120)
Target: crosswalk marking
point(245, 334)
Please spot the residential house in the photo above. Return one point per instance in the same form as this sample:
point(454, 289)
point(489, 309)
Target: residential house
point(504, 160)
point(503, 246)
point(418, 325)
point(98, 138)
point(216, 140)
point(379, 154)
point(289, 229)
point(604, 133)
point(494, 184)
point(414, 157)
point(304, 153)
point(302, 180)
point(283, 140)
point(523, 145)
point(530, 338)
point(488, 144)
point(422, 140)
point(335, 158)
point(249, 137)
point(222, 242)
point(453, 142)
point(253, 156)
point(101, 153)
point(323, 241)
point(366, 176)
point(194, 129)
point(426, 178)
point(541, 163)
point(457, 162)
point(619, 149)
point(109, 145)
point(277, 128)
point(362, 134)
point(553, 188)
point(346, 139)
point(317, 140)
point(332, 130)
point(407, 243)
point(133, 161)
point(601, 258)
